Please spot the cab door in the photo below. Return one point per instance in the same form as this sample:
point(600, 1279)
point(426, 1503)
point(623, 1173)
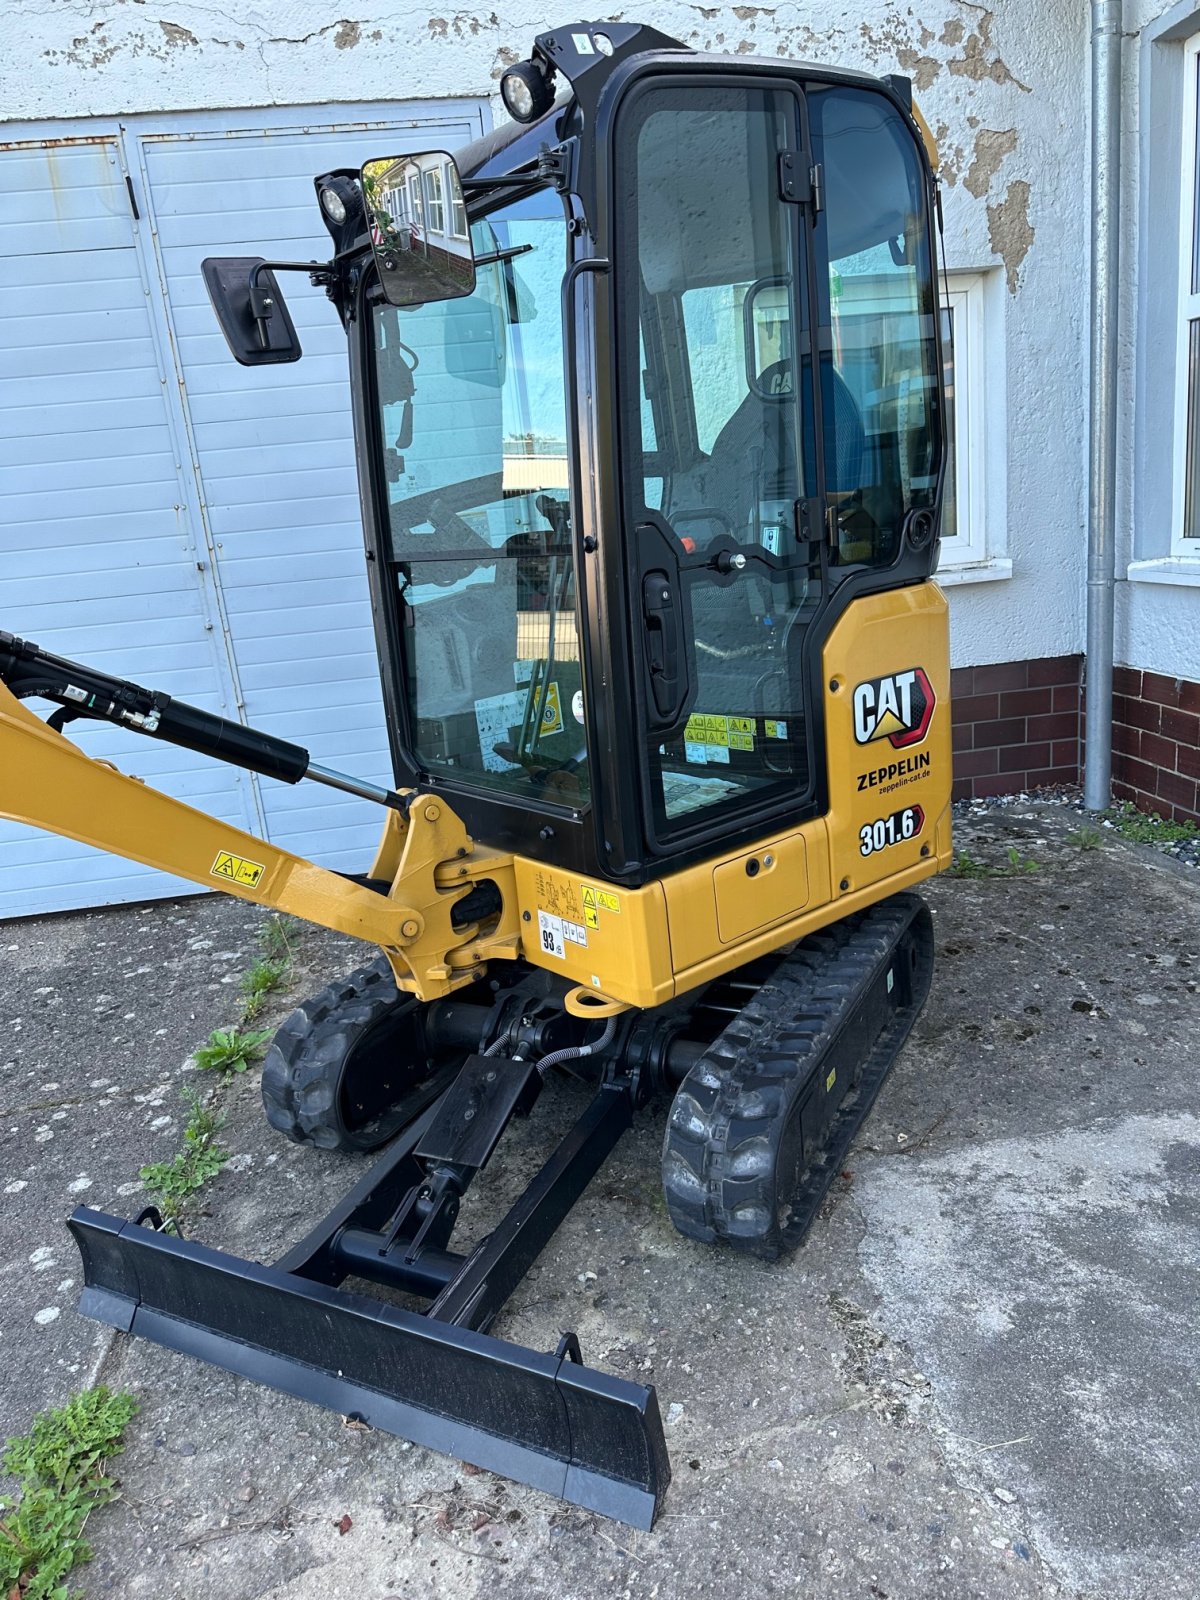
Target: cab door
point(721, 485)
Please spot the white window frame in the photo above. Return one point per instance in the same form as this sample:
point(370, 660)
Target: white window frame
point(416, 203)
point(435, 204)
point(964, 294)
point(1188, 304)
point(457, 202)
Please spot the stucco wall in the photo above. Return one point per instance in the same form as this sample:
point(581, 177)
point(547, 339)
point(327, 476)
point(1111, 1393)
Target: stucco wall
point(1005, 92)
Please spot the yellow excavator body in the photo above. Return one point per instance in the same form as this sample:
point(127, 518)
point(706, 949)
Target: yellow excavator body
point(651, 417)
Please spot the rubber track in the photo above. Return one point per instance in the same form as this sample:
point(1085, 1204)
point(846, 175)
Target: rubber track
point(735, 1108)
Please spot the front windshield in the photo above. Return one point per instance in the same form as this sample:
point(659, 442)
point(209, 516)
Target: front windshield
point(472, 411)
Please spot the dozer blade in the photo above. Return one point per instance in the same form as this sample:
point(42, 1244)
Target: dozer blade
point(545, 1420)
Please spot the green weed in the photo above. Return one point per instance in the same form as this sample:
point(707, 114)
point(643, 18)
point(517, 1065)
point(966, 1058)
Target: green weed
point(277, 936)
point(171, 1184)
point(965, 866)
point(60, 1468)
point(266, 975)
point(1017, 864)
point(1147, 827)
point(1086, 838)
point(231, 1050)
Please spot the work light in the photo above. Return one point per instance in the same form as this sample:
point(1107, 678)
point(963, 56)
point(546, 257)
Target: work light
point(526, 91)
point(333, 206)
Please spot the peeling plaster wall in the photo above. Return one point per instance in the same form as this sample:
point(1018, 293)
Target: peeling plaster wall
point(1004, 90)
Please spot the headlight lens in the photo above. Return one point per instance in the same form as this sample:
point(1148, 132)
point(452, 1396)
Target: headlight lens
point(333, 206)
point(526, 92)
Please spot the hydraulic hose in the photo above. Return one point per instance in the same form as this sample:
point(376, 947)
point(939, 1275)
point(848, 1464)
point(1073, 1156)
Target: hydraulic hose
point(577, 1051)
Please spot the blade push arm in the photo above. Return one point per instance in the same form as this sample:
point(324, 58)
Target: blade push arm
point(50, 783)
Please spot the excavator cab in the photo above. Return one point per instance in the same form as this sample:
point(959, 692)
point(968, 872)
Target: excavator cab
point(651, 433)
point(620, 492)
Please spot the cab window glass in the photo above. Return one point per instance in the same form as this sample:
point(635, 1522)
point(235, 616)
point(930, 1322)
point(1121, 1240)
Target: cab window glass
point(713, 437)
point(879, 379)
point(472, 411)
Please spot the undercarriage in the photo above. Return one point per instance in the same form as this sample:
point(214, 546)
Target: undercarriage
point(772, 1070)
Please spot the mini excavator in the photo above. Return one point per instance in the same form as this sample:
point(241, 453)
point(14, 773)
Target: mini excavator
point(650, 420)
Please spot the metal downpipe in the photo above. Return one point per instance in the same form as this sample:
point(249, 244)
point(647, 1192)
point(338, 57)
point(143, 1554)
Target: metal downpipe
point(1102, 455)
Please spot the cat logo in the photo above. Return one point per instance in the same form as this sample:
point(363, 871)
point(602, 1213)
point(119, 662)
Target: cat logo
point(898, 708)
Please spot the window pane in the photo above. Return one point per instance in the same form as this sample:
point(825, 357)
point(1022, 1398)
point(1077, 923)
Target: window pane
point(721, 461)
point(460, 211)
point(1191, 482)
point(712, 321)
point(710, 228)
point(1193, 155)
point(433, 201)
point(879, 383)
point(950, 527)
point(474, 433)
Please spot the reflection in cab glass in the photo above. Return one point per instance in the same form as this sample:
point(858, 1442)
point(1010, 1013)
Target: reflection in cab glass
point(876, 296)
point(474, 440)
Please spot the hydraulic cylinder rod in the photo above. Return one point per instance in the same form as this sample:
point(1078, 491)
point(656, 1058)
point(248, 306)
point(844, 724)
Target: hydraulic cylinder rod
point(82, 691)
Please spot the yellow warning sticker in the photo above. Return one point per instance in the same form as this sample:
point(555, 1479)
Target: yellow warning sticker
point(236, 869)
point(774, 730)
point(591, 917)
point(552, 720)
point(704, 729)
point(594, 899)
point(736, 733)
point(829, 1081)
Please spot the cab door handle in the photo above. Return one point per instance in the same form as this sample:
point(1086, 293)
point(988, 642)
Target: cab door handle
point(665, 651)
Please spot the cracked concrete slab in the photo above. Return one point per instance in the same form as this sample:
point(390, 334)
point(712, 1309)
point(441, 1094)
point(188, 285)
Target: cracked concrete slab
point(976, 1379)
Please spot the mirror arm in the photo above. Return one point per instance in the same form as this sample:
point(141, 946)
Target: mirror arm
point(262, 303)
point(511, 180)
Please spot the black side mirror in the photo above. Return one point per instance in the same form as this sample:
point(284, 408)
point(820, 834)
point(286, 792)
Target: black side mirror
point(419, 228)
point(252, 312)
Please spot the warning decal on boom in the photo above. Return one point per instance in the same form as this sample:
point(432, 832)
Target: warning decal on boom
point(236, 869)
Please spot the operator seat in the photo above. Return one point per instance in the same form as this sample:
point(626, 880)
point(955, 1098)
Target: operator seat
point(752, 461)
point(753, 457)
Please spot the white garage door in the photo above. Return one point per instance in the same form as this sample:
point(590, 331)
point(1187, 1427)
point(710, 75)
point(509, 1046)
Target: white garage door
point(171, 516)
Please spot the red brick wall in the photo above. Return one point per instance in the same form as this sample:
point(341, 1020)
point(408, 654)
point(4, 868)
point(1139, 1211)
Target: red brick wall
point(1016, 725)
point(1156, 743)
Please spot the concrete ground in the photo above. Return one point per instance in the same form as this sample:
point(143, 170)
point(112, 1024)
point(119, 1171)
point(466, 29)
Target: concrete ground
point(977, 1378)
